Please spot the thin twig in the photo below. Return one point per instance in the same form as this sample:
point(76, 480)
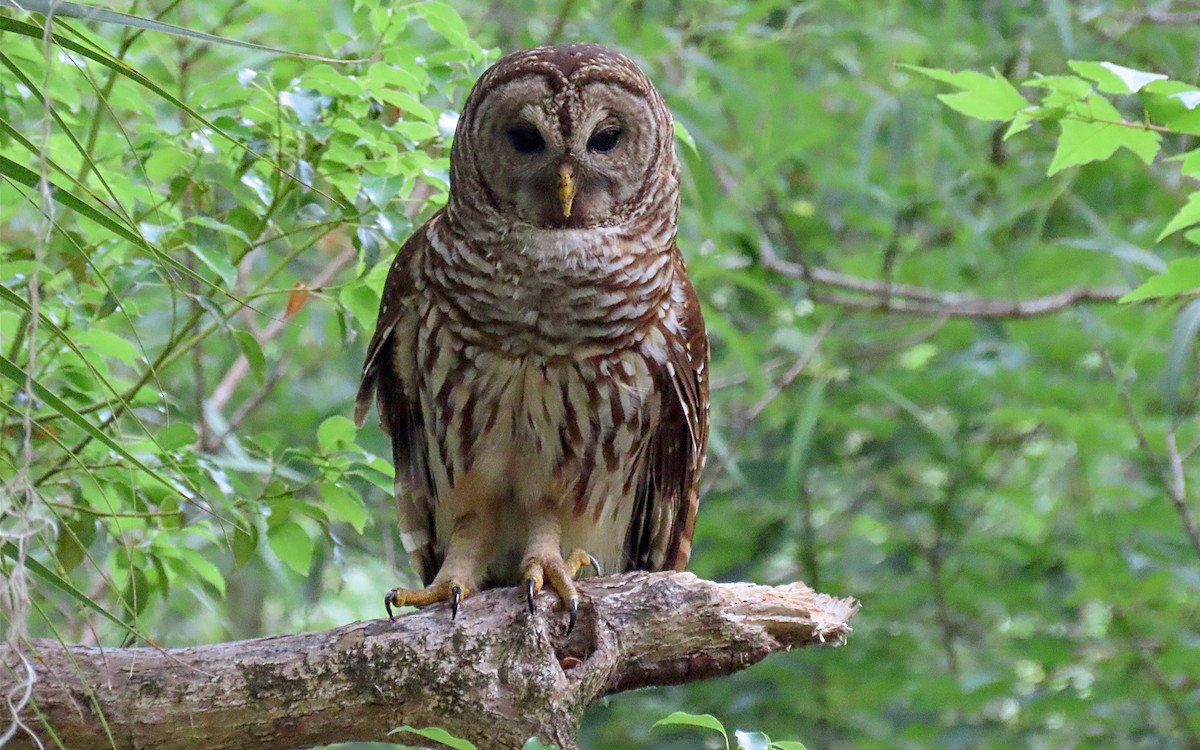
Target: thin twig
point(1176, 485)
point(742, 421)
point(1171, 476)
point(1160, 17)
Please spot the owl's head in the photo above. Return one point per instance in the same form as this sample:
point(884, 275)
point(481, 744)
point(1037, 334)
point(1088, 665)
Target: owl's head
point(564, 137)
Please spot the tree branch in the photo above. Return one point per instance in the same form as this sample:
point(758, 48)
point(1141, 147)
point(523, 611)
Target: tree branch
point(496, 676)
point(907, 299)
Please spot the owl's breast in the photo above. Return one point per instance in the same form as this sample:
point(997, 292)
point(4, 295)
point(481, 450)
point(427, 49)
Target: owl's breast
point(566, 294)
point(530, 429)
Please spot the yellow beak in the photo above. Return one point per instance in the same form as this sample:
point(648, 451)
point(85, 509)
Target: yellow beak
point(566, 188)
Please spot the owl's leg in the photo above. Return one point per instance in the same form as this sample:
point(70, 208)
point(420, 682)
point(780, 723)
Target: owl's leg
point(543, 561)
point(456, 578)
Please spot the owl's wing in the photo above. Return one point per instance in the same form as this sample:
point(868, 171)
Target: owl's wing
point(400, 407)
point(664, 513)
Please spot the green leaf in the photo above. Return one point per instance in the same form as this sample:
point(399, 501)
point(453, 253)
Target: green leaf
point(363, 303)
point(1184, 218)
point(382, 188)
point(999, 100)
point(1063, 90)
point(1115, 79)
point(407, 104)
point(437, 735)
point(704, 721)
point(245, 545)
point(1189, 163)
point(209, 222)
point(1181, 277)
point(445, 20)
point(788, 745)
point(983, 97)
point(1082, 141)
point(344, 504)
point(685, 136)
point(217, 262)
point(176, 435)
point(254, 354)
point(109, 344)
point(292, 545)
point(203, 568)
point(68, 550)
point(165, 162)
point(335, 432)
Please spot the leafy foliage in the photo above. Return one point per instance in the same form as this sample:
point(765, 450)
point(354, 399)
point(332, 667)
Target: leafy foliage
point(193, 236)
point(1093, 129)
point(744, 740)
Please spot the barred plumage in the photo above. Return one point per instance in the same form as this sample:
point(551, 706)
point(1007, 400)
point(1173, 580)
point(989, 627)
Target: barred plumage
point(540, 356)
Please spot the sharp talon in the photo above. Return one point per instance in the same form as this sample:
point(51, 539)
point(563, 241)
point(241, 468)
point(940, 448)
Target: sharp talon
point(573, 606)
point(388, 598)
point(529, 592)
point(595, 565)
point(455, 598)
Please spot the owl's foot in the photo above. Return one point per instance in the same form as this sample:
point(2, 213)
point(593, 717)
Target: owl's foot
point(561, 574)
point(451, 591)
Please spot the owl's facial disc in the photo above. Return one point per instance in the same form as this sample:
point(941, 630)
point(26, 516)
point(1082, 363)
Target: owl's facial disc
point(564, 157)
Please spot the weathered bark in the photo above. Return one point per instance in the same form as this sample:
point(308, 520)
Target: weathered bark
point(496, 676)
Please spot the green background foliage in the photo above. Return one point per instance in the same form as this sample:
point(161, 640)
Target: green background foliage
point(1008, 488)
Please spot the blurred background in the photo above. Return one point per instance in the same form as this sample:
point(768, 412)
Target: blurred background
point(1006, 487)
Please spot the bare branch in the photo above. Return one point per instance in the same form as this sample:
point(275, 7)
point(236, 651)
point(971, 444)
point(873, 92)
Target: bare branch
point(907, 299)
point(496, 676)
point(1160, 17)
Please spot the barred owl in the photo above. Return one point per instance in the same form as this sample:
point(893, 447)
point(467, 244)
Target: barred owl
point(540, 359)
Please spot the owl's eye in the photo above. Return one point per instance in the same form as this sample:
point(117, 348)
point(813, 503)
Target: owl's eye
point(604, 140)
point(525, 139)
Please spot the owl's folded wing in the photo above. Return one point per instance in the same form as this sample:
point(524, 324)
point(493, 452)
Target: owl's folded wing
point(664, 514)
point(400, 410)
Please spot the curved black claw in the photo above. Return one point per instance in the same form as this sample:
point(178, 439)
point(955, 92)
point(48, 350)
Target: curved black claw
point(573, 607)
point(455, 599)
point(529, 592)
point(388, 600)
point(595, 565)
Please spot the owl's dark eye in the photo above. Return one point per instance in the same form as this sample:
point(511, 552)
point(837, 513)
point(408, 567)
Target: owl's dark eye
point(604, 140)
point(525, 139)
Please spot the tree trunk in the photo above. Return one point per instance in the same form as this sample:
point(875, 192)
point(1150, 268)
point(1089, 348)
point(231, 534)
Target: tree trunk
point(496, 676)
